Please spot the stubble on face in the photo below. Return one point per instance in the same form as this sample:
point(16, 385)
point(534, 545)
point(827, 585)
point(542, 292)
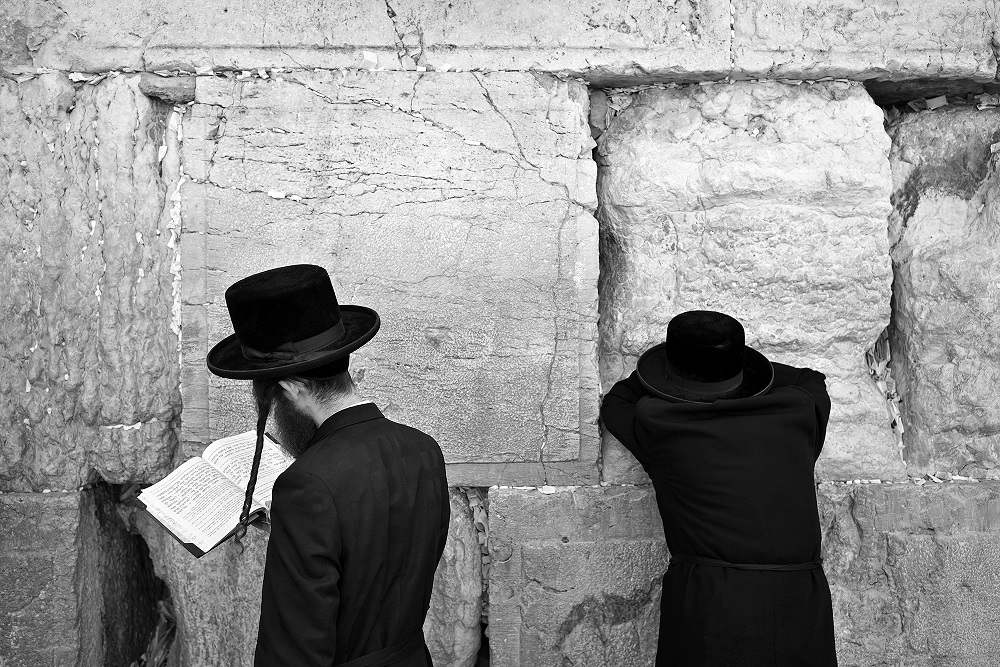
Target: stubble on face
point(294, 428)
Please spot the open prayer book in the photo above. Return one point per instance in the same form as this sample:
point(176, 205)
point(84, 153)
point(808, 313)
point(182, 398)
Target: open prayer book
point(200, 502)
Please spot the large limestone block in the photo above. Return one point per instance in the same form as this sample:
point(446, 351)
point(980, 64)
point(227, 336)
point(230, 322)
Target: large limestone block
point(879, 39)
point(605, 42)
point(89, 377)
point(459, 206)
point(913, 572)
point(945, 339)
point(217, 597)
point(98, 35)
point(576, 576)
point(766, 201)
point(39, 603)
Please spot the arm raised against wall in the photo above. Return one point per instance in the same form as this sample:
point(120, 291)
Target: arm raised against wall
point(618, 412)
point(812, 383)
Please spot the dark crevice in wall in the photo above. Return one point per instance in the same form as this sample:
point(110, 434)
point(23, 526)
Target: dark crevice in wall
point(899, 93)
point(483, 659)
point(122, 586)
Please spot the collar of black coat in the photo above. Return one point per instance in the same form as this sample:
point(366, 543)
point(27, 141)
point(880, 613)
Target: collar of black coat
point(347, 417)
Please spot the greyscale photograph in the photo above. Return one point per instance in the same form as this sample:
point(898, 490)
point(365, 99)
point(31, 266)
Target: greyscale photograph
point(476, 333)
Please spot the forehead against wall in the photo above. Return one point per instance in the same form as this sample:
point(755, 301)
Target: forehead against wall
point(471, 209)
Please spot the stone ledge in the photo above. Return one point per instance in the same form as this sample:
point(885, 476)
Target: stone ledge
point(653, 42)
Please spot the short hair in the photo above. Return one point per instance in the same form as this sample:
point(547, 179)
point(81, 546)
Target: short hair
point(328, 388)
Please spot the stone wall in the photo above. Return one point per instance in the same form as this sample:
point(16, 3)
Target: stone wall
point(437, 158)
point(768, 201)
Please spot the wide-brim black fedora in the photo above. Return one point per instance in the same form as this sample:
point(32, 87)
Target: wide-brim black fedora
point(704, 358)
point(287, 321)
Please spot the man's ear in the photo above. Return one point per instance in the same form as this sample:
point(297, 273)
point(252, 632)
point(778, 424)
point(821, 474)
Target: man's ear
point(292, 387)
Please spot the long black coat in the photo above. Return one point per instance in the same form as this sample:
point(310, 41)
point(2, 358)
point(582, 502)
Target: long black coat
point(358, 524)
point(734, 482)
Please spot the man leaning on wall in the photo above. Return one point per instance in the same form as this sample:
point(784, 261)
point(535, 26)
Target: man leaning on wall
point(359, 520)
point(709, 417)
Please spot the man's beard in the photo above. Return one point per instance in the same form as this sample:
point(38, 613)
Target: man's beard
point(293, 428)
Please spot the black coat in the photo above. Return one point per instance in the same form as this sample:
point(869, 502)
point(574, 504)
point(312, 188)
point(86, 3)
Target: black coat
point(358, 524)
point(734, 482)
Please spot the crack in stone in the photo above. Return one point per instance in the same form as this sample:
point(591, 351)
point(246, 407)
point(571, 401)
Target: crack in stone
point(995, 40)
point(732, 39)
point(555, 349)
point(145, 44)
point(401, 50)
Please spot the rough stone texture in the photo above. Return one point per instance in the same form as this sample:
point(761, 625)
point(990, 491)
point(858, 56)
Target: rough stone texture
point(576, 576)
point(606, 42)
point(880, 39)
point(170, 89)
point(89, 371)
point(452, 628)
point(459, 206)
point(217, 597)
point(913, 572)
point(85, 35)
point(766, 201)
point(610, 43)
point(41, 619)
point(24, 28)
point(944, 245)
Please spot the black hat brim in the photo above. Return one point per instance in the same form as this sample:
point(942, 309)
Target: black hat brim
point(226, 358)
point(758, 376)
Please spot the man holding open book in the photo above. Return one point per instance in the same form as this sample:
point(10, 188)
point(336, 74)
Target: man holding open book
point(359, 520)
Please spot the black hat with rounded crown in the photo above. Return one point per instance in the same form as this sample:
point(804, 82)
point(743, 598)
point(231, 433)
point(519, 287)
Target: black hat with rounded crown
point(704, 358)
point(287, 321)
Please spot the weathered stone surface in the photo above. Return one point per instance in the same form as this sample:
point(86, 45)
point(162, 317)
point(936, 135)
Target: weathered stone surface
point(913, 572)
point(876, 39)
point(458, 206)
point(575, 577)
point(89, 374)
point(39, 601)
point(452, 628)
point(649, 41)
point(24, 28)
point(945, 340)
point(766, 201)
point(149, 35)
point(217, 597)
point(172, 89)
point(606, 42)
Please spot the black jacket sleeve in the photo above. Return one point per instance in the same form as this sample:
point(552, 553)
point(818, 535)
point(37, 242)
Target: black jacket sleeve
point(618, 412)
point(300, 595)
point(813, 383)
